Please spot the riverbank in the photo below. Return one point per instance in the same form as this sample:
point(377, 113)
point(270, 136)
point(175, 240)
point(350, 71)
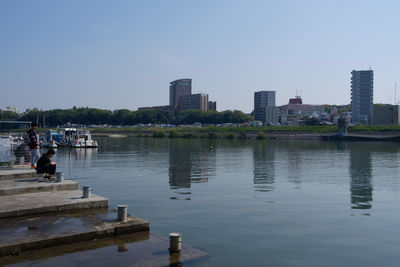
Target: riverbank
point(269, 132)
point(280, 132)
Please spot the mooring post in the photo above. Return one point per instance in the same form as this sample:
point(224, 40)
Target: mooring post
point(122, 213)
point(175, 240)
point(86, 191)
point(59, 177)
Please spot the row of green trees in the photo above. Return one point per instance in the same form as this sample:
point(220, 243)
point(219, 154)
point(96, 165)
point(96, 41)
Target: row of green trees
point(89, 116)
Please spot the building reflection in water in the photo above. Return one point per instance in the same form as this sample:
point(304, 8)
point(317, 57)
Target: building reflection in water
point(189, 162)
point(361, 175)
point(295, 155)
point(264, 167)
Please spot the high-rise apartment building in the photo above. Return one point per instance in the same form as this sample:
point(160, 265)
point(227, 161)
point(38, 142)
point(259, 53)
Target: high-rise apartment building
point(265, 109)
point(177, 89)
point(362, 94)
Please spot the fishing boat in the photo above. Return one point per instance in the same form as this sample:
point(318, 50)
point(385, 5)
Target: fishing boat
point(53, 138)
point(78, 139)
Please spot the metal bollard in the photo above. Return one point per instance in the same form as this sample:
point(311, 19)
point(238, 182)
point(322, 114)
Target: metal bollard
point(87, 192)
point(122, 213)
point(59, 177)
point(175, 241)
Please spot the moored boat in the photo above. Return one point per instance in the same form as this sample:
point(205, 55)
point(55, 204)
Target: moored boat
point(78, 139)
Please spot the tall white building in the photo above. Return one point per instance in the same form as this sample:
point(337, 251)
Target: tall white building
point(265, 109)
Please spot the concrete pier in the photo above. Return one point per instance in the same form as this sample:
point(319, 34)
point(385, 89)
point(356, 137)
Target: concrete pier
point(36, 215)
point(30, 185)
point(17, 173)
point(30, 233)
point(137, 249)
point(47, 202)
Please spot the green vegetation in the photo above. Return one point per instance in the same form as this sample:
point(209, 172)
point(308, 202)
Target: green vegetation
point(242, 135)
point(230, 136)
point(173, 134)
point(159, 134)
point(261, 136)
point(374, 128)
point(312, 121)
point(93, 116)
point(212, 135)
point(188, 135)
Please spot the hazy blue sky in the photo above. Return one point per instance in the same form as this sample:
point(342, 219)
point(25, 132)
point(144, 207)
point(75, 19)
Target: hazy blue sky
point(123, 54)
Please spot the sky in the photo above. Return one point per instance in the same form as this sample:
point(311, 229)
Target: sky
point(123, 54)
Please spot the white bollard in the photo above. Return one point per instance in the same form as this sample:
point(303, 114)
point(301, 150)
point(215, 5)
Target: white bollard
point(175, 241)
point(59, 177)
point(122, 213)
point(87, 192)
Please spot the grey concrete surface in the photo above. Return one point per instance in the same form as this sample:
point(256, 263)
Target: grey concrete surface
point(138, 249)
point(46, 202)
point(30, 233)
point(17, 173)
point(31, 185)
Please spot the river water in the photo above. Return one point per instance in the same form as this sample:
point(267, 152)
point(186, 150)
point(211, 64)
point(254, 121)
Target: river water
point(255, 203)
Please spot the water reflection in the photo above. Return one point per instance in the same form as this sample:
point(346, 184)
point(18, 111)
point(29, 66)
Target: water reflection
point(264, 167)
point(189, 163)
point(360, 175)
point(295, 157)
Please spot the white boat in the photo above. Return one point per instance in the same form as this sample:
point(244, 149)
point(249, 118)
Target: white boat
point(49, 144)
point(86, 140)
point(79, 138)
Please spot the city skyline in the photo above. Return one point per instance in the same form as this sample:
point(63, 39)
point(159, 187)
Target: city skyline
point(122, 55)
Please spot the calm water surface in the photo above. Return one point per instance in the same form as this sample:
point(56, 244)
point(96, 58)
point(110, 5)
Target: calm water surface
point(255, 203)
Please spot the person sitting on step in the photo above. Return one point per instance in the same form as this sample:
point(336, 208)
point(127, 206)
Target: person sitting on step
point(46, 166)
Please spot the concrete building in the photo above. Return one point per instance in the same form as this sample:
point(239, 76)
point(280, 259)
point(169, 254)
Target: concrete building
point(265, 109)
point(178, 88)
point(212, 105)
point(295, 111)
point(386, 114)
point(181, 98)
point(362, 94)
point(196, 101)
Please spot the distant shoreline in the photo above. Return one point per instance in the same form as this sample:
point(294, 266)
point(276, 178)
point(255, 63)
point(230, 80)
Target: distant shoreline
point(295, 133)
point(240, 133)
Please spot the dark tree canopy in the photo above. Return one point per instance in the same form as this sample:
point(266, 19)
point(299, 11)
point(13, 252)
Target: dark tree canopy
point(89, 116)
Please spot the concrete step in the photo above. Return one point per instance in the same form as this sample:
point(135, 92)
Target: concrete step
point(17, 173)
point(137, 249)
point(31, 185)
point(30, 233)
point(48, 202)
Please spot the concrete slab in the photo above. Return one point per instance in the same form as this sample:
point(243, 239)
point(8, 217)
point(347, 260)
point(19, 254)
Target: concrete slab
point(30, 233)
point(31, 185)
point(139, 249)
point(17, 173)
point(47, 202)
